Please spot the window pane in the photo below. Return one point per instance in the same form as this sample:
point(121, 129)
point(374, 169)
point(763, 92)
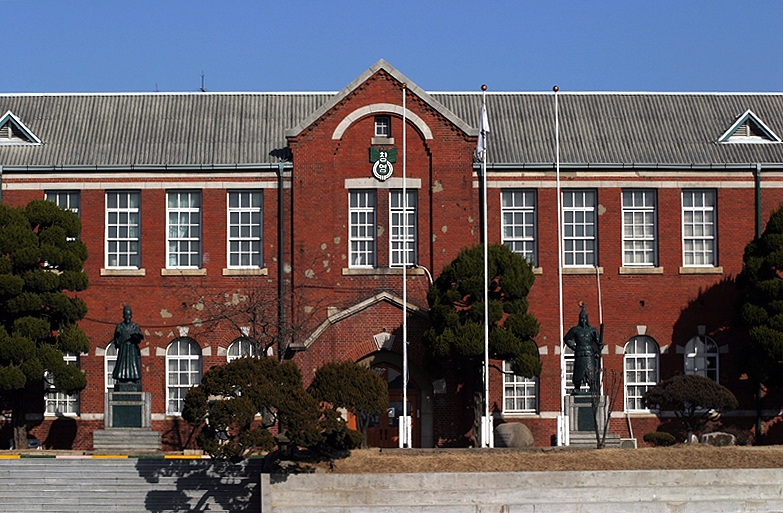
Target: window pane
point(519, 393)
point(698, 215)
point(122, 229)
point(579, 230)
point(518, 222)
point(402, 229)
point(361, 230)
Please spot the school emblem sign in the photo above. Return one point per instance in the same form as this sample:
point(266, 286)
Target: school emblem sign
point(382, 161)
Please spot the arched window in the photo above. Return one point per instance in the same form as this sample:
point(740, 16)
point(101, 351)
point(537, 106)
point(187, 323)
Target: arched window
point(641, 370)
point(109, 362)
point(183, 370)
point(701, 357)
point(241, 348)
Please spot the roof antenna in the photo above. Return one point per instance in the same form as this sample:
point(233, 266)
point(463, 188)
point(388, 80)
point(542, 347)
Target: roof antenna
point(203, 90)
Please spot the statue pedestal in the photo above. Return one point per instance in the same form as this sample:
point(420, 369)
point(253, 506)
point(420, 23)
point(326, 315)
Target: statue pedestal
point(583, 419)
point(127, 422)
point(582, 416)
point(128, 407)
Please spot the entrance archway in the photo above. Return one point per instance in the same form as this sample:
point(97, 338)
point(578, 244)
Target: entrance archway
point(384, 431)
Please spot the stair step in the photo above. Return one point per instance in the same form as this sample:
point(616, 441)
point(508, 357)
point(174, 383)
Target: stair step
point(127, 439)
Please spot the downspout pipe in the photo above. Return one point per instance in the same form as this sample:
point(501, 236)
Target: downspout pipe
point(281, 336)
point(1, 183)
point(760, 390)
point(757, 175)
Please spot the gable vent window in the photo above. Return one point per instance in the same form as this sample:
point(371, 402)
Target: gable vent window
point(13, 131)
point(748, 128)
point(9, 132)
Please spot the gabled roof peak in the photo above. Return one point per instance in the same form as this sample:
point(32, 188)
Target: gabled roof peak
point(381, 64)
point(748, 128)
point(14, 132)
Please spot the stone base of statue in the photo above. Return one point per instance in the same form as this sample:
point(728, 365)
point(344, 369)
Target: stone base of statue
point(127, 422)
point(127, 406)
point(581, 416)
point(583, 420)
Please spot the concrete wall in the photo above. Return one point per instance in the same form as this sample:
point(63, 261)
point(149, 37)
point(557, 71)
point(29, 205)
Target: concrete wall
point(606, 491)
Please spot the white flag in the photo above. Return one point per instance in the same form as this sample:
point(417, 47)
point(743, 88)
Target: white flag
point(481, 147)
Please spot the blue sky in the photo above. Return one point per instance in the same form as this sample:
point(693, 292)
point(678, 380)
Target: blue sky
point(304, 45)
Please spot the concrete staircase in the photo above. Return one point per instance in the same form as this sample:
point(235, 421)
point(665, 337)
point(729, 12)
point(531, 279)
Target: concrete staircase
point(94, 484)
point(126, 440)
point(586, 439)
point(90, 484)
point(681, 491)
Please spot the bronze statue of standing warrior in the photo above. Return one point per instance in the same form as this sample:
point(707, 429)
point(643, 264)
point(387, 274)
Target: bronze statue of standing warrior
point(587, 344)
point(127, 336)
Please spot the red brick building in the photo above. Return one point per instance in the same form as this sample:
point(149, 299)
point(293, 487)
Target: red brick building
point(202, 210)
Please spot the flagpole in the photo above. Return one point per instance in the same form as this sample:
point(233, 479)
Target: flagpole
point(563, 427)
point(404, 428)
point(486, 438)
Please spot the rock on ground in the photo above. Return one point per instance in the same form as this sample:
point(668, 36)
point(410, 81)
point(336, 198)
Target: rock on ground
point(718, 439)
point(513, 434)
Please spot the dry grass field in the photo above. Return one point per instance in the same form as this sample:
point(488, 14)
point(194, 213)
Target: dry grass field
point(514, 460)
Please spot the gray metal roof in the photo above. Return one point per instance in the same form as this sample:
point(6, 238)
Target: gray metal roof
point(199, 129)
point(241, 129)
point(621, 128)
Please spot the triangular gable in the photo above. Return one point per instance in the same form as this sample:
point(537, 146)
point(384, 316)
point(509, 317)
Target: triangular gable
point(13, 131)
point(413, 88)
point(748, 128)
point(336, 317)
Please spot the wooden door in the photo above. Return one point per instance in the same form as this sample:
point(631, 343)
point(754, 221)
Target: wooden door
point(383, 430)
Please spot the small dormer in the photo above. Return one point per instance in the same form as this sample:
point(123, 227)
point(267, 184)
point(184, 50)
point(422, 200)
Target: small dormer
point(748, 128)
point(14, 132)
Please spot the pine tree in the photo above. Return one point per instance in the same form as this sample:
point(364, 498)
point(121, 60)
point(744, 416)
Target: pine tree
point(41, 259)
point(760, 305)
point(456, 301)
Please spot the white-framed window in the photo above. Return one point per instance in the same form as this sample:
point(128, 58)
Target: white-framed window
point(241, 348)
point(698, 228)
point(520, 394)
point(183, 229)
point(361, 230)
point(641, 369)
point(579, 229)
point(402, 228)
point(59, 403)
point(123, 230)
point(69, 200)
point(109, 362)
point(569, 357)
point(382, 126)
point(245, 222)
point(518, 214)
point(701, 357)
point(183, 371)
point(639, 228)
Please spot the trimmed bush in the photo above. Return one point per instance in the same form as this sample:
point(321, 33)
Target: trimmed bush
point(660, 439)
